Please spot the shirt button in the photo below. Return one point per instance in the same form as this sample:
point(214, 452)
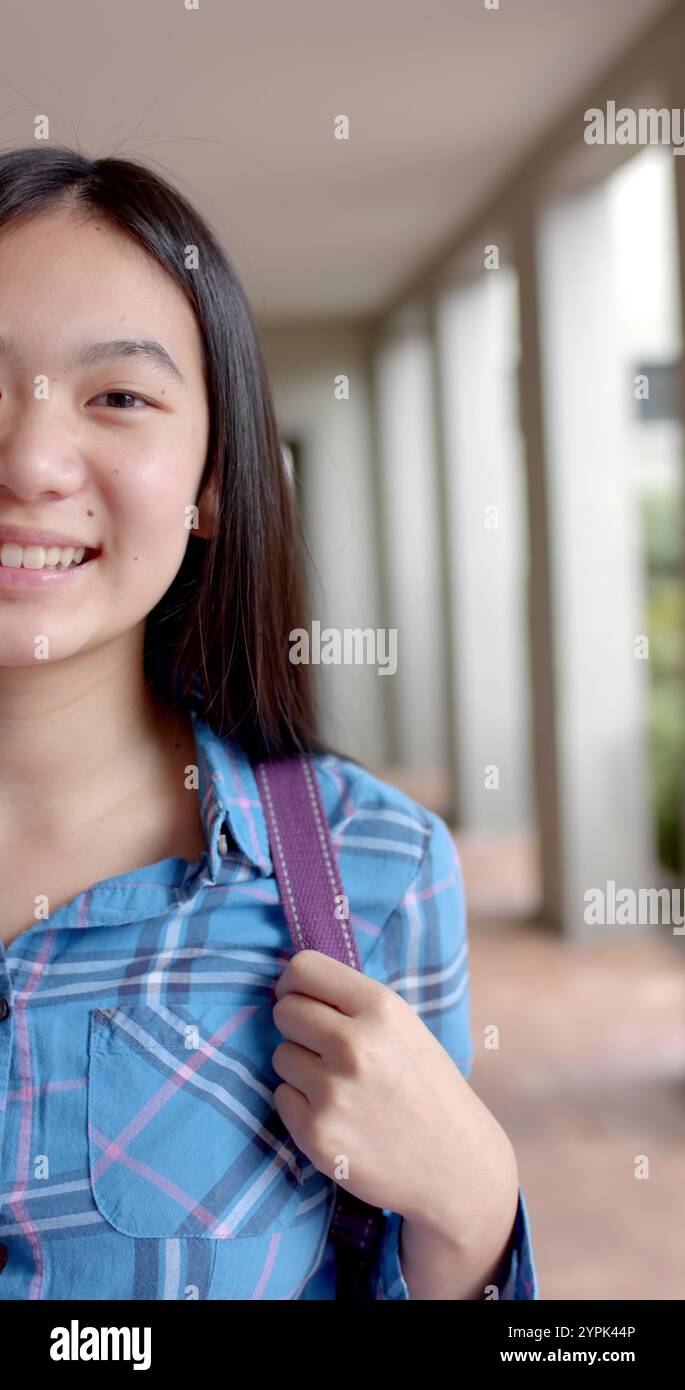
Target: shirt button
point(223, 845)
point(4, 1009)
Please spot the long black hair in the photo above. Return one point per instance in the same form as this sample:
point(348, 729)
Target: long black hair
point(218, 638)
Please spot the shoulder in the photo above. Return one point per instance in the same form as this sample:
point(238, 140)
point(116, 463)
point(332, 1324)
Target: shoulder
point(365, 812)
point(387, 843)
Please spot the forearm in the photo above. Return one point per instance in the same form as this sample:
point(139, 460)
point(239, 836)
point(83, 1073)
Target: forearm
point(439, 1264)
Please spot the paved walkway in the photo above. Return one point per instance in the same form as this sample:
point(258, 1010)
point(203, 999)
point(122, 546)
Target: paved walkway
point(589, 1075)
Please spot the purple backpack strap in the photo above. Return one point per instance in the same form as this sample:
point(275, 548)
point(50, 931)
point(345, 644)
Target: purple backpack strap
point(305, 860)
point(316, 909)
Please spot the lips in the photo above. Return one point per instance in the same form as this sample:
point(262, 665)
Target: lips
point(23, 535)
point(16, 579)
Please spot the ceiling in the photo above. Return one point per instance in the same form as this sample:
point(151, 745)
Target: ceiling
point(235, 101)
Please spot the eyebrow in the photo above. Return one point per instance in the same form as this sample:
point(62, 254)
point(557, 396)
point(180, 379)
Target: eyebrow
point(90, 354)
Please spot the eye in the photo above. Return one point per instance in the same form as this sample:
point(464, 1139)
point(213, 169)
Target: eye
point(120, 396)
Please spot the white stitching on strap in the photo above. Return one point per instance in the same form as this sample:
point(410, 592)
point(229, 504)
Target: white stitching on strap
point(311, 790)
point(279, 845)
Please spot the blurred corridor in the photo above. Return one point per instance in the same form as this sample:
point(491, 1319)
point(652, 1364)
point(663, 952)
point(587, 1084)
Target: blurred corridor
point(492, 465)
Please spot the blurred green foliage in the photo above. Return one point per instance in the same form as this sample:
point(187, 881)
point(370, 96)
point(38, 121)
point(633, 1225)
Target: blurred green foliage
point(662, 520)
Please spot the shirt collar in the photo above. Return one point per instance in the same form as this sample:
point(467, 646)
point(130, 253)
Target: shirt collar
point(229, 793)
point(229, 800)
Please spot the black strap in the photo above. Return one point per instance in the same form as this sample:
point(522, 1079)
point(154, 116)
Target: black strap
point(357, 1234)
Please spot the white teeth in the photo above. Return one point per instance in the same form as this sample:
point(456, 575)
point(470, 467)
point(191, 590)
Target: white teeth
point(36, 557)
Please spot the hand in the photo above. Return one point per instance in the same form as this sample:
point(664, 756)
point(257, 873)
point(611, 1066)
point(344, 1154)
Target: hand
point(366, 1081)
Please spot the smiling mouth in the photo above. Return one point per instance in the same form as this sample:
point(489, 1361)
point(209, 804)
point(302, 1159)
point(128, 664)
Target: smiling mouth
point(57, 558)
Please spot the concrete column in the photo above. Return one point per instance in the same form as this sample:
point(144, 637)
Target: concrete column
point(595, 561)
point(408, 497)
point(478, 333)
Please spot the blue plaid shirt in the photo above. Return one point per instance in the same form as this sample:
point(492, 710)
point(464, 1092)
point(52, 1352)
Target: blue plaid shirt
point(140, 1153)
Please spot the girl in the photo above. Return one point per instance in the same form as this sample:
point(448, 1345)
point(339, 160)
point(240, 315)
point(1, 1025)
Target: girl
point(178, 1087)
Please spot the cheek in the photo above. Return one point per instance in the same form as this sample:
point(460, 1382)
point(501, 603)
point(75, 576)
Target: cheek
point(146, 543)
point(150, 513)
point(148, 498)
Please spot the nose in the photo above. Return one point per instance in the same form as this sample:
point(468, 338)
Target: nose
point(38, 456)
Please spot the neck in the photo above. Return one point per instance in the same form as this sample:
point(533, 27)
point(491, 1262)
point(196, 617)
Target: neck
point(78, 739)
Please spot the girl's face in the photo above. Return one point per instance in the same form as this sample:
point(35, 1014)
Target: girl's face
point(106, 452)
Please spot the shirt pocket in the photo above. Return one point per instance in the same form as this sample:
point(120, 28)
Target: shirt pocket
point(183, 1138)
